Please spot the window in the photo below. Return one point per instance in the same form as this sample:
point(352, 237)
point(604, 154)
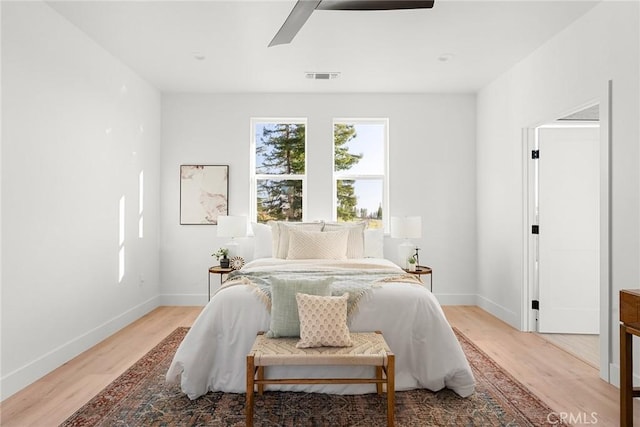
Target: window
point(278, 169)
point(360, 171)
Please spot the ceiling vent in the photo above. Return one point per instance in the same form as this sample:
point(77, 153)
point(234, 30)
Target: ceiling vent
point(322, 76)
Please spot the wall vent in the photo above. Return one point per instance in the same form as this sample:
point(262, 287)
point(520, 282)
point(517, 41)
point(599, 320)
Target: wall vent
point(322, 75)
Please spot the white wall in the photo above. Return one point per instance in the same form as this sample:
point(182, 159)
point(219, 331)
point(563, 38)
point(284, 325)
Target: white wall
point(569, 70)
point(78, 127)
point(432, 174)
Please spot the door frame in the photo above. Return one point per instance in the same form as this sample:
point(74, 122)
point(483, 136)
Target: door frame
point(530, 290)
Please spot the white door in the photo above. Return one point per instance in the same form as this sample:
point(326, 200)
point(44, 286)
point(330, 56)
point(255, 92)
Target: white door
point(569, 238)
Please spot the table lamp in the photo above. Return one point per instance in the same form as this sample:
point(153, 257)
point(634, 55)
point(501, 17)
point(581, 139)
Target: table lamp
point(232, 226)
point(406, 227)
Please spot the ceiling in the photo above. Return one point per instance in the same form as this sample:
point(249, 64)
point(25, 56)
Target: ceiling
point(380, 51)
point(589, 114)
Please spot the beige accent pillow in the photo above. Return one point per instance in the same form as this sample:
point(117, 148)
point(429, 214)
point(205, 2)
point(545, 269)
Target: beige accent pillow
point(317, 244)
point(275, 237)
point(280, 232)
point(323, 321)
point(355, 244)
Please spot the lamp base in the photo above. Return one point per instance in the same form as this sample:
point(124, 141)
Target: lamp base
point(405, 251)
point(233, 247)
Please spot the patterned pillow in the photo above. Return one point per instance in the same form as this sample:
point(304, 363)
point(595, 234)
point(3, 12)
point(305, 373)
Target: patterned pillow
point(355, 243)
point(280, 232)
point(323, 321)
point(284, 308)
point(317, 244)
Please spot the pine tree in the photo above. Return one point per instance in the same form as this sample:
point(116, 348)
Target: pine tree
point(282, 151)
point(346, 200)
point(344, 160)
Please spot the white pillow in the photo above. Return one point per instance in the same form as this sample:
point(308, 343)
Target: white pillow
point(275, 237)
point(262, 241)
point(374, 243)
point(323, 321)
point(355, 244)
point(283, 234)
point(317, 244)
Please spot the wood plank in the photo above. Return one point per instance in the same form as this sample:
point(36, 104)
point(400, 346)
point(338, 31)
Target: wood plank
point(583, 346)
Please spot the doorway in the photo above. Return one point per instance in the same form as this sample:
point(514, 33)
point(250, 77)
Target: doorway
point(568, 239)
point(567, 250)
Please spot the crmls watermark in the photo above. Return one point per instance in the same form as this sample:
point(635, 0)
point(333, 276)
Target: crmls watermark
point(583, 418)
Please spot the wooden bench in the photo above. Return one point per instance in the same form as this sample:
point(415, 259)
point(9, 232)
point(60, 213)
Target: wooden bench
point(369, 349)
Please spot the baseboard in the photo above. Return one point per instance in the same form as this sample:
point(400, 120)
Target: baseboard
point(498, 311)
point(456, 299)
point(614, 376)
point(444, 299)
point(32, 371)
point(184, 299)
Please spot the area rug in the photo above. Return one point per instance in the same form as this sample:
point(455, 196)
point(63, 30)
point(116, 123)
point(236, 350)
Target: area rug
point(140, 397)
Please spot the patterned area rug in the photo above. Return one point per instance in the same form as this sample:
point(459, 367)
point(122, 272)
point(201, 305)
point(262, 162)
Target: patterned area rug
point(140, 397)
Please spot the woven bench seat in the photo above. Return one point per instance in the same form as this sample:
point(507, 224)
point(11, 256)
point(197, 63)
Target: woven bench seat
point(369, 349)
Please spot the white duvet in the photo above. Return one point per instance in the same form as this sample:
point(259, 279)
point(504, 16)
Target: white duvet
point(212, 356)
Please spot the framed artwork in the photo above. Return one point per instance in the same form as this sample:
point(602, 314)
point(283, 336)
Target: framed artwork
point(204, 193)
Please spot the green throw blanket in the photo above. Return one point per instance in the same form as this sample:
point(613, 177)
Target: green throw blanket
point(356, 283)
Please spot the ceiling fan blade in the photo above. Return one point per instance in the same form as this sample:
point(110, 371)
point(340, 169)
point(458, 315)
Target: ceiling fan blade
point(374, 4)
point(303, 9)
point(296, 19)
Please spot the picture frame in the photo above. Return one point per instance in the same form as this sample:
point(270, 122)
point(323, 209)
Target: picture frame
point(204, 194)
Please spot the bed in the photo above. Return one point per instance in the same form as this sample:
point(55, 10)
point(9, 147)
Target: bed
point(212, 356)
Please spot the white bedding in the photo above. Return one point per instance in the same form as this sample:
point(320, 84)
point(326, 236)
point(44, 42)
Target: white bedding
point(212, 357)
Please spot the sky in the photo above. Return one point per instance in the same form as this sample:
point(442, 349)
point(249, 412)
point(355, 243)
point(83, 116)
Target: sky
point(370, 142)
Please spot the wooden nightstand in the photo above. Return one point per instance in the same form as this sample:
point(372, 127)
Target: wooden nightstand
point(217, 270)
point(629, 326)
point(420, 270)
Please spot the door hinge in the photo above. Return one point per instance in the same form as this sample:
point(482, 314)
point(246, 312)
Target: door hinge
point(535, 154)
point(535, 229)
point(535, 304)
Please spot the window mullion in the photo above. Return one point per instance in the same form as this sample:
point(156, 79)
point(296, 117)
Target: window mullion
point(338, 176)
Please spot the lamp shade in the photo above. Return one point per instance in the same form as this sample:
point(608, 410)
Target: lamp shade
point(406, 227)
point(232, 226)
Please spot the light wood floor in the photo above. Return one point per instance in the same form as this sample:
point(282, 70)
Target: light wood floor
point(564, 382)
point(52, 399)
point(583, 346)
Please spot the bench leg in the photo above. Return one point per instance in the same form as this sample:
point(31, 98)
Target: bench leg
point(391, 390)
point(260, 377)
point(379, 377)
point(250, 386)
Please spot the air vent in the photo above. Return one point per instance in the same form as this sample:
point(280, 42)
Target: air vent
point(322, 76)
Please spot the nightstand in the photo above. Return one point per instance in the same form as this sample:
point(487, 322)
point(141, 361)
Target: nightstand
point(217, 270)
point(629, 326)
point(420, 270)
